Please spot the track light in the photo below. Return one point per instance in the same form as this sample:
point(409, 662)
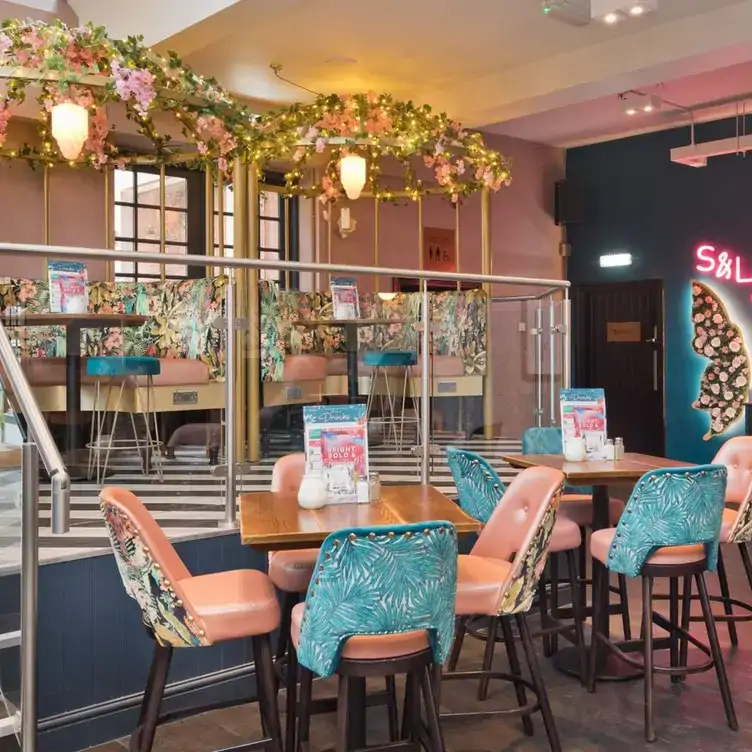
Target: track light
point(611, 12)
point(636, 103)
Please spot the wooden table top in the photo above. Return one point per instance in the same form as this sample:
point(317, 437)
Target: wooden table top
point(313, 323)
point(84, 320)
point(596, 472)
point(272, 521)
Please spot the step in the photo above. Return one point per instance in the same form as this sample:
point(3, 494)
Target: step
point(10, 639)
point(9, 724)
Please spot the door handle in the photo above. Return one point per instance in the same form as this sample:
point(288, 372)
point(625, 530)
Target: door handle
point(655, 370)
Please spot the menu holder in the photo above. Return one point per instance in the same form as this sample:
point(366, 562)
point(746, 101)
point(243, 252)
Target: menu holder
point(345, 301)
point(336, 441)
point(583, 417)
point(68, 287)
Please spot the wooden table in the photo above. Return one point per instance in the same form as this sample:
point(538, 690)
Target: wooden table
point(74, 324)
point(272, 521)
point(600, 474)
point(351, 327)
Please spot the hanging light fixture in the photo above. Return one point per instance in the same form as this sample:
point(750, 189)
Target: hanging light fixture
point(70, 128)
point(387, 295)
point(352, 173)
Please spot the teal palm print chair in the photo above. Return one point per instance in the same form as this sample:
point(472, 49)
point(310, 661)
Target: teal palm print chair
point(480, 490)
point(381, 603)
point(670, 528)
point(576, 505)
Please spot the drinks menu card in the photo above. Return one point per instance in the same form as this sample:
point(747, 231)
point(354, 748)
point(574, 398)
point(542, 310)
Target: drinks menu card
point(68, 287)
point(345, 302)
point(336, 441)
point(583, 415)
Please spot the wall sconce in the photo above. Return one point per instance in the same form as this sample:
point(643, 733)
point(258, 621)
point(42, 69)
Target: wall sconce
point(345, 224)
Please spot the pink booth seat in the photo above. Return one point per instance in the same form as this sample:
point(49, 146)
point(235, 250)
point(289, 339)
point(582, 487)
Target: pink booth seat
point(45, 372)
point(600, 543)
point(305, 368)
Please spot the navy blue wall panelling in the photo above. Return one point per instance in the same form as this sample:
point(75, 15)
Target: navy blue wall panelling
point(638, 201)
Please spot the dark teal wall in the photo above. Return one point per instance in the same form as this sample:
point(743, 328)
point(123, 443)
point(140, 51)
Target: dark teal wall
point(638, 201)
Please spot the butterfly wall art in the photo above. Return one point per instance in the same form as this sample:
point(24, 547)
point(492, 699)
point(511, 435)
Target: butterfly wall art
point(725, 382)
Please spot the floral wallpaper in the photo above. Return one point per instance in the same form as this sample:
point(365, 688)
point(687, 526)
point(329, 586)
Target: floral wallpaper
point(724, 385)
point(459, 321)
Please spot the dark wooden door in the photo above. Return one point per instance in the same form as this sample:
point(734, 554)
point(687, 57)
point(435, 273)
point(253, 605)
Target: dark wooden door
point(618, 345)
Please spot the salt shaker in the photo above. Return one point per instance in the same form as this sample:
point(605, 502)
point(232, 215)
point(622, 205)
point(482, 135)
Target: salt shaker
point(619, 448)
point(610, 450)
point(374, 486)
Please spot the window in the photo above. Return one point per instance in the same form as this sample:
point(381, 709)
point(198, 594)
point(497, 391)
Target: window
point(138, 226)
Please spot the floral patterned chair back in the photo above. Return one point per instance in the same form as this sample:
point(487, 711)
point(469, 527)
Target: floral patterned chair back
point(151, 569)
point(380, 581)
point(670, 507)
point(521, 526)
point(736, 455)
point(479, 487)
point(548, 441)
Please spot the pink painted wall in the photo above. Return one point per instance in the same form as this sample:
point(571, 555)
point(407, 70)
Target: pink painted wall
point(525, 242)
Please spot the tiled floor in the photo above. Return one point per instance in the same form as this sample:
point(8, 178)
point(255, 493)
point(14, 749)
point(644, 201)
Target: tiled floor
point(690, 717)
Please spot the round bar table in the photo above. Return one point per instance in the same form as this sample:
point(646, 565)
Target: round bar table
point(74, 324)
point(600, 474)
point(351, 327)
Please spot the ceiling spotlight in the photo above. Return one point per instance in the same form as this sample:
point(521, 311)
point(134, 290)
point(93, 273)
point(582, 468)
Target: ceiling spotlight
point(636, 10)
point(613, 11)
point(635, 102)
point(630, 111)
point(611, 18)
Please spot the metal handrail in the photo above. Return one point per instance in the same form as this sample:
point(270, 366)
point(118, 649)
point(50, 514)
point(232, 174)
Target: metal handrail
point(105, 254)
point(39, 433)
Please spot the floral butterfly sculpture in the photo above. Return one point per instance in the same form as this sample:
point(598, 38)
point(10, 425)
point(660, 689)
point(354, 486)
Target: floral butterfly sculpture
point(725, 382)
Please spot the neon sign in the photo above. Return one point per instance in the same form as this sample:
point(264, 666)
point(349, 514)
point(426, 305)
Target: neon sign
point(720, 264)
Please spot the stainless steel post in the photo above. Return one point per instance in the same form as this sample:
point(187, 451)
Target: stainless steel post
point(425, 385)
point(230, 397)
point(566, 355)
point(29, 590)
point(552, 331)
point(539, 365)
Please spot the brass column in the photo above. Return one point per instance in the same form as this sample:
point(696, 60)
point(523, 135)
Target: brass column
point(109, 210)
point(457, 240)
point(253, 208)
point(46, 216)
point(376, 278)
point(485, 241)
point(240, 247)
point(162, 219)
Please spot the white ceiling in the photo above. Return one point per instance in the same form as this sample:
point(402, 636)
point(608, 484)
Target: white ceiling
point(497, 64)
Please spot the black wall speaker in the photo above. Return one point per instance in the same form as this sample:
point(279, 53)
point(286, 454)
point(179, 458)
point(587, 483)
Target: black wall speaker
point(569, 203)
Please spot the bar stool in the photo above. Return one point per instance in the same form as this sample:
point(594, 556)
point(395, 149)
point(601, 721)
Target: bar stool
point(181, 611)
point(391, 407)
point(480, 492)
point(576, 505)
point(123, 372)
point(499, 578)
point(381, 603)
point(669, 529)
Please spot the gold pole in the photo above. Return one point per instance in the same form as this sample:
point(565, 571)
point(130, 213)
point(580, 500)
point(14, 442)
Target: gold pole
point(109, 210)
point(221, 214)
point(485, 240)
point(254, 323)
point(162, 217)
point(457, 235)
point(317, 236)
point(420, 233)
point(329, 240)
point(46, 220)
point(376, 278)
point(240, 250)
point(287, 205)
point(209, 216)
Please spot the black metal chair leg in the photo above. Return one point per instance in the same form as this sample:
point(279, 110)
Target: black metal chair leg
point(577, 615)
point(540, 687)
point(673, 604)
point(391, 708)
point(554, 559)
point(289, 601)
point(162, 659)
point(593, 653)
point(342, 713)
point(647, 627)
point(624, 603)
point(304, 707)
point(728, 609)
point(460, 627)
point(493, 624)
point(149, 684)
point(291, 700)
point(685, 623)
point(543, 606)
point(411, 713)
point(717, 655)
point(516, 670)
point(267, 691)
point(432, 716)
point(582, 553)
point(744, 551)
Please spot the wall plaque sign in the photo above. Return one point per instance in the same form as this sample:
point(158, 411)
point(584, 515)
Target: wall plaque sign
point(623, 331)
point(439, 252)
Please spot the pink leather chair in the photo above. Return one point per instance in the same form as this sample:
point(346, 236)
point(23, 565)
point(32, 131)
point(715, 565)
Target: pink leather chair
point(499, 579)
point(182, 611)
point(290, 571)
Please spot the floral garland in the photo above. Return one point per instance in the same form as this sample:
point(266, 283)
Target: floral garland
point(375, 126)
point(725, 383)
point(64, 57)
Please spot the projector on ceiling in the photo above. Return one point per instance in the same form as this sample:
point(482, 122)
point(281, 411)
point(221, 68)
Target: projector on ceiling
point(572, 12)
